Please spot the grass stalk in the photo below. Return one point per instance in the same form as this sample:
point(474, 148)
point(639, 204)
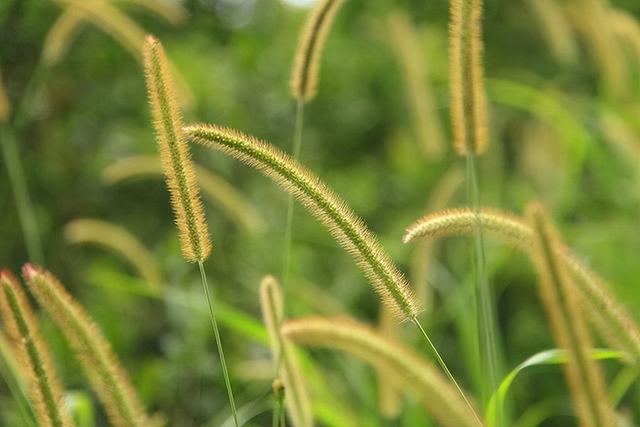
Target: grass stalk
point(21, 196)
point(288, 230)
point(216, 333)
point(446, 370)
point(483, 303)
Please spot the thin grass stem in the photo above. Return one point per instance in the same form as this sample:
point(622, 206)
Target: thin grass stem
point(446, 370)
point(216, 333)
point(483, 303)
point(288, 230)
point(21, 196)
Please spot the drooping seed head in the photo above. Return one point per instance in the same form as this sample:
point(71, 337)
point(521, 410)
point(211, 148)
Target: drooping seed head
point(468, 98)
point(174, 152)
point(333, 212)
point(304, 76)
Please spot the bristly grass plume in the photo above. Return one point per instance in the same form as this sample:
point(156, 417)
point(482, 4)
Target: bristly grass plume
point(584, 377)
point(304, 76)
point(609, 316)
point(468, 99)
point(343, 224)
point(98, 360)
point(175, 155)
point(21, 325)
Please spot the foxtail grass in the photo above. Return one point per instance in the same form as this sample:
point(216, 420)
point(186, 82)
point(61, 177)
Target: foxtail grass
point(343, 224)
point(214, 188)
point(32, 353)
point(407, 369)
point(584, 377)
point(306, 66)
point(296, 397)
point(608, 315)
point(121, 241)
point(181, 181)
point(107, 377)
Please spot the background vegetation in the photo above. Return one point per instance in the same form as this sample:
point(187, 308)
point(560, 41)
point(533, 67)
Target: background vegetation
point(564, 128)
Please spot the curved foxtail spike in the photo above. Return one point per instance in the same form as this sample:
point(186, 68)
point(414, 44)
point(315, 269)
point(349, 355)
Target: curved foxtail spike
point(287, 367)
point(558, 295)
point(343, 224)
point(468, 98)
point(304, 76)
point(609, 316)
point(406, 368)
point(174, 152)
point(21, 325)
point(94, 352)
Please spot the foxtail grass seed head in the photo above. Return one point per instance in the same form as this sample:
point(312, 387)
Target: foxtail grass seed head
point(304, 76)
point(609, 315)
point(174, 152)
point(407, 370)
point(343, 224)
point(297, 400)
point(558, 294)
point(93, 351)
point(21, 325)
point(468, 98)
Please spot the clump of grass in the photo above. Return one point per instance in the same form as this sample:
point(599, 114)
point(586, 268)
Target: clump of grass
point(98, 360)
point(181, 180)
point(343, 224)
point(558, 295)
point(122, 242)
point(611, 318)
point(32, 353)
point(407, 370)
point(304, 76)
point(286, 365)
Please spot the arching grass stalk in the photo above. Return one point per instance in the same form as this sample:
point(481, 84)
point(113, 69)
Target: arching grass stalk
point(216, 333)
point(446, 370)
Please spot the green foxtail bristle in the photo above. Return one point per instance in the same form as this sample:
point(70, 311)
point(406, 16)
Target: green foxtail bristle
point(468, 98)
point(343, 224)
point(584, 376)
point(609, 316)
point(304, 76)
point(21, 325)
point(94, 352)
point(174, 152)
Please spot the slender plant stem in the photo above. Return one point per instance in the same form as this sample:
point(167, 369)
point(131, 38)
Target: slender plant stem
point(21, 195)
point(483, 299)
point(446, 369)
point(216, 333)
point(288, 231)
point(277, 413)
